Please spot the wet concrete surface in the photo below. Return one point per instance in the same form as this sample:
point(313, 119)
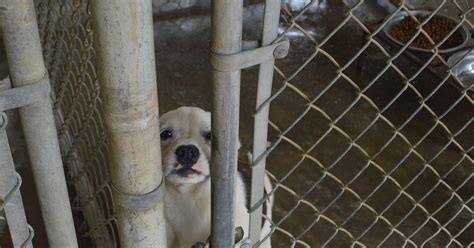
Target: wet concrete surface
point(326, 187)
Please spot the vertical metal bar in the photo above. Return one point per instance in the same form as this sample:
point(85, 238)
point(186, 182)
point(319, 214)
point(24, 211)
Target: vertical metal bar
point(14, 210)
point(124, 41)
point(265, 79)
point(226, 39)
point(26, 65)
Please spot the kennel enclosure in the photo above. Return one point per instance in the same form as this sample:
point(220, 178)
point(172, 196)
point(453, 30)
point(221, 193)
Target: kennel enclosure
point(367, 143)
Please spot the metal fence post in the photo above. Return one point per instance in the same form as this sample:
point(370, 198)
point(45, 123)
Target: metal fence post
point(10, 197)
point(26, 65)
point(124, 41)
point(226, 39)
point(265, 79)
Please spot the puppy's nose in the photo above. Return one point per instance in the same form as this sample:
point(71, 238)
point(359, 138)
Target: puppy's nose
point(187, 155)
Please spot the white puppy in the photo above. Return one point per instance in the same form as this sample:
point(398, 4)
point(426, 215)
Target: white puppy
point(186, 150)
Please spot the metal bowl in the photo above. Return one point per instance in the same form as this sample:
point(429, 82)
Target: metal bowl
point(463, 62)
point(466, 35)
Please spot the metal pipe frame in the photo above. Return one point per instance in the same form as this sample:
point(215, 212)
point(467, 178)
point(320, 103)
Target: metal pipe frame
point(264, 90)
point(10, 197)
point(26, 65)
point(226, 39)
point(124, 41)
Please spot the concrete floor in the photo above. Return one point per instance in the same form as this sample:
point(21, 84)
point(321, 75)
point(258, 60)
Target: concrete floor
point(182, 48)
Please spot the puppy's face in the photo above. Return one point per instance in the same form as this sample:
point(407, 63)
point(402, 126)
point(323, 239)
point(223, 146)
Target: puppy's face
point(186, 145)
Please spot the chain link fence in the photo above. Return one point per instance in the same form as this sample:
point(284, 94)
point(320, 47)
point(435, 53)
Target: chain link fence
point(371, 142)
point(66, 35)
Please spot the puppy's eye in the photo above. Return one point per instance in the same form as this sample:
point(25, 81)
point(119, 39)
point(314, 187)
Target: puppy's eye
point(166, 134)
point(207, 136)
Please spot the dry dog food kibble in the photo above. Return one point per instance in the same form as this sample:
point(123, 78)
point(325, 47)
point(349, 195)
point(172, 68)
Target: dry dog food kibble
point(437, 27)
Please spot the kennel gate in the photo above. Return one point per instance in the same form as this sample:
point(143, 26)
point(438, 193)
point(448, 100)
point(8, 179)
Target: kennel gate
point(67, 38)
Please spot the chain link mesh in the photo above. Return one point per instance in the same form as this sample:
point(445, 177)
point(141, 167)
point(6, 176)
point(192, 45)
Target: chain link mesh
point(375, 151)
point(371, 143)
point(67, 39)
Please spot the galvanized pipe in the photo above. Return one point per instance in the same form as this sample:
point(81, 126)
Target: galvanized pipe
point(26, 65)
point(264, 90)
point(226, 39)
point(124, 41)
point(14, 210)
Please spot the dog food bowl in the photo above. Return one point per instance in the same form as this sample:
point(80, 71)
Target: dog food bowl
point(463, 62)
point(462, 30)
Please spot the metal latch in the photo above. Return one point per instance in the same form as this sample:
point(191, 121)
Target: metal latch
point(248, 58)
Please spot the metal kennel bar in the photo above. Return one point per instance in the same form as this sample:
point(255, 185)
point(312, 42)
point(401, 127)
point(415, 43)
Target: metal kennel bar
point(126, 72)
point(264, 90)
point(226, 40)
point(26, 66)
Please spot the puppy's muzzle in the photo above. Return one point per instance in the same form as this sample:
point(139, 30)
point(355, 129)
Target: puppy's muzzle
point(187, 155)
